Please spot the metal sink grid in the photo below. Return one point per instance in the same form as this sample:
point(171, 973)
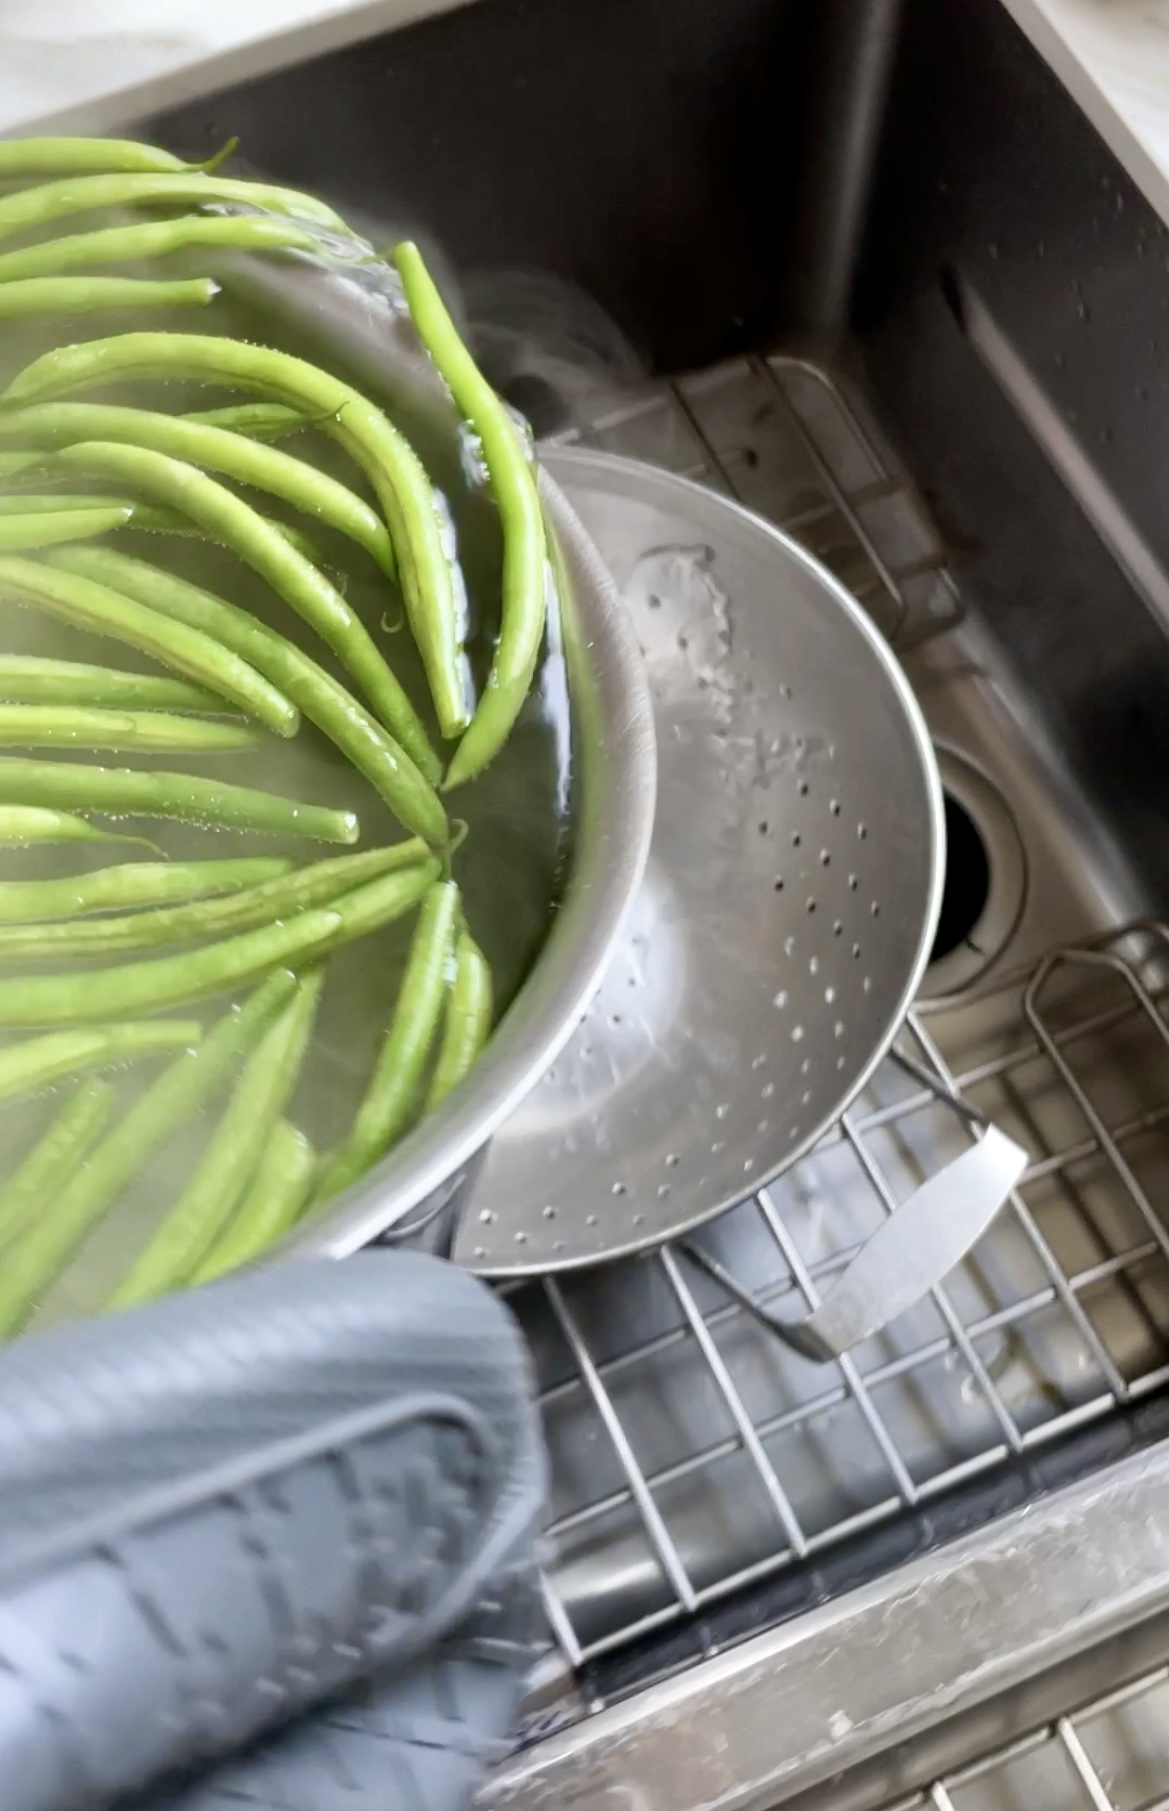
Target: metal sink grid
point(693, 1456)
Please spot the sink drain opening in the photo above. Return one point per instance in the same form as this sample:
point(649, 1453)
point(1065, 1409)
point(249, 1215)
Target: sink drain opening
point(985, 882)
point(967, 882)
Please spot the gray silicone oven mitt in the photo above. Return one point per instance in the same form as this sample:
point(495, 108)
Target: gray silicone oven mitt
point(268, 1544)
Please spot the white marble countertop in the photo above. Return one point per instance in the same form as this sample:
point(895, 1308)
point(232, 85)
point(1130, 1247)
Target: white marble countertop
point(1113, 56)
point(91, 65)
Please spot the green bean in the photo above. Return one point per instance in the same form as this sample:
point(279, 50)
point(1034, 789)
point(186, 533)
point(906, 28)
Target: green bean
point(302, 585)
point(37, 1062)
point(24, 504)
point(22, 825)
point(77, 195)
point(30, 1190)
point(392, 1093)
point(154, 239)
point(468, 1019)
point(93, 606)
point(43, 1001)
point(212, 450)
point(75, 156)
point(154, 517)
point(73, 726)
point(266, 420)
point(272, 1204)
point(34, 679)
point(143, 883)
point(512, 482)
point(40, 296)
point(242, 910)
point(390, 771)
point(231, 1158)
point(398, 477)
point(49, 503)
point(125, 792)
point(48, 528)
point(12, 463)
point(170, 1102)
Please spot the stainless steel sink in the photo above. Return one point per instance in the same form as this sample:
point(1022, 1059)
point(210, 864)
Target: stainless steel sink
point(919, 323)
point(704, 1476)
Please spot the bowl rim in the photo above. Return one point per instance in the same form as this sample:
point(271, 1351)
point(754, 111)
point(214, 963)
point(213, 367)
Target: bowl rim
point(618, 784)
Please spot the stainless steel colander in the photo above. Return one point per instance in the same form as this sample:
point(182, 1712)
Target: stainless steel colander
point(784, 920)
point(782, 926)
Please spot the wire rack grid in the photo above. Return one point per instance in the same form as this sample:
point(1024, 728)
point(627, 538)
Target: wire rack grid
point(1111, 1755)
point(693, 1454)
point(778, 435)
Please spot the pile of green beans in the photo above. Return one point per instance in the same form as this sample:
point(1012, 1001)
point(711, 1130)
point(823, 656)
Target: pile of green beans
point(259, 929)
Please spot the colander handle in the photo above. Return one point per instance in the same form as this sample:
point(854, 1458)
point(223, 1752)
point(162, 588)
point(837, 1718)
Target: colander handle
point(909, 1254)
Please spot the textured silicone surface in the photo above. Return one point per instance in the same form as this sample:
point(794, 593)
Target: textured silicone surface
point(222, 1511)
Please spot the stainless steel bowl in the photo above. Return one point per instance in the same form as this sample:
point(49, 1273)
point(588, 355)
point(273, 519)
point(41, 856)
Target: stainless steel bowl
point(355, 320)
point(613, 733)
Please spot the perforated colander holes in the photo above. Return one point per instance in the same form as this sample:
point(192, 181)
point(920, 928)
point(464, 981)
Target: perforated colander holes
point(672, 1160)
point(795, 1129)
point(802, 868)
point(620, 1192)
